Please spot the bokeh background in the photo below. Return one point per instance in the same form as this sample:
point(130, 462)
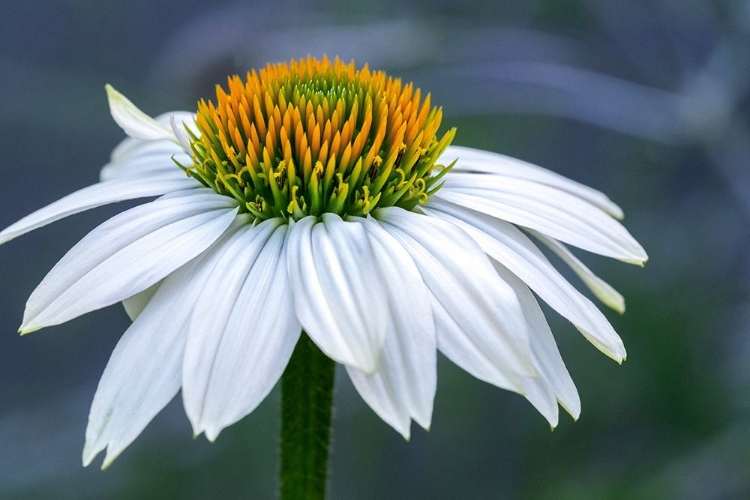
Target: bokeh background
point(648, 101)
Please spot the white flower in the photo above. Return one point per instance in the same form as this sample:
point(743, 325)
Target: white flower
point(219, 295)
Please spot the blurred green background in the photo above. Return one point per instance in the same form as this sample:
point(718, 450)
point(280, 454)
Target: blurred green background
point(648, 101)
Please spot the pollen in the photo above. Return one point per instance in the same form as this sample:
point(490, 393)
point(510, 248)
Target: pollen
point(313, 136)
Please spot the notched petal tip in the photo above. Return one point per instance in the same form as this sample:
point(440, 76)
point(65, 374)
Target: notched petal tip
point(639, 259)
point(619, 354)
point(615, 352)
point(208, 430)
point(90, 453)
point(638, 256)
point(93, 448)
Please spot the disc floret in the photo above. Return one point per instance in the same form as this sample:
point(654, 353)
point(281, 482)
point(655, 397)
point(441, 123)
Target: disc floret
point(314, 136)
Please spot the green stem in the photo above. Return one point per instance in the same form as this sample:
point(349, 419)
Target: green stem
point(306, 401)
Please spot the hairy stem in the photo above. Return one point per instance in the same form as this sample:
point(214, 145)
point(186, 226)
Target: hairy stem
point(306, 404)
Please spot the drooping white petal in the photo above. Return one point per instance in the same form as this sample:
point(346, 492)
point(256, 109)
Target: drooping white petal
point(600, 288)
point(541, 396)
point(404, 385)
point(475, 160)
point(509, 246)
point(554, 378)
point(128, 254)
point(478, 317)
point(135, 305)
point(96, 196)
point(243, 331)
point(338, 296)
point(135, 122)
point(470, 355)
point(144, 372)
point(548, 210)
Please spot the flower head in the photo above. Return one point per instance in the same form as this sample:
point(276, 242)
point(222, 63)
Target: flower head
point(314, 137)
point(320, 197)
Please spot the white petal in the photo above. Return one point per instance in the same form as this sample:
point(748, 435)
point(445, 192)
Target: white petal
point(184, 120)
point(135, 305)
point(538, 392)
point(130, 146)
point(509, 246)
point(243, 331)
point(550, 211)
point(472, 356)
point(477, 314)
point(554, 378)
point(128, 254)
point(155, 158)
point(338, 295)
point(475, 160)
point(600, 288)
point(404, 386)
point(96, 196)
point(133, 121)
point(144, 372)
point(179, 131)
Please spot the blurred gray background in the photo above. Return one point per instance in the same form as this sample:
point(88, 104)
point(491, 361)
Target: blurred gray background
point(648, 101)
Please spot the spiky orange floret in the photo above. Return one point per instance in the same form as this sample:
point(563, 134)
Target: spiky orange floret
point(315, 136)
